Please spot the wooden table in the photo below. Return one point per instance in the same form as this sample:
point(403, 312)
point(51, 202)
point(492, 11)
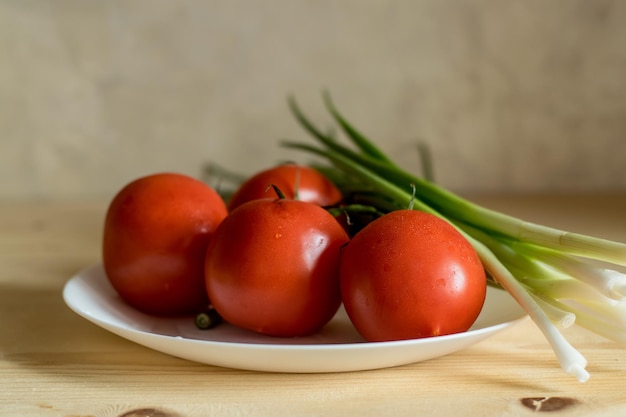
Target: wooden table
point(55, 363)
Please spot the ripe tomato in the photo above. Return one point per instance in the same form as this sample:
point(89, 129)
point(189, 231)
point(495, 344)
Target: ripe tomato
point(273, 267)
point(156, 232)
point(409, 275)
point(312, 186)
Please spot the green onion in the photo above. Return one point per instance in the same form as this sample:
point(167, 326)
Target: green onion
point(549, 272)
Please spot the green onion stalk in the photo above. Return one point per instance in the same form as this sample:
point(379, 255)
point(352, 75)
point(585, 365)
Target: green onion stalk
point(553, 274)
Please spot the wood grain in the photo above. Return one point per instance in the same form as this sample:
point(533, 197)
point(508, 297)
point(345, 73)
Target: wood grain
point(54, 363)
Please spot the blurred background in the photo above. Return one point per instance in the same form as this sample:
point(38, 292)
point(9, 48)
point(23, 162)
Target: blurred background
point(510, 96)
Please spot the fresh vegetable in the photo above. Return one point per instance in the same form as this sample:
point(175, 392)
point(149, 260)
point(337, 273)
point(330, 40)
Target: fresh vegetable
point(156, 233)
point(409, 275)
point(551, 273)
point(273, 267)
point(295, 181)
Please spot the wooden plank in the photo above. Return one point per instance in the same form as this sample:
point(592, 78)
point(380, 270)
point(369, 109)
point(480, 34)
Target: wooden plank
point(54, 363)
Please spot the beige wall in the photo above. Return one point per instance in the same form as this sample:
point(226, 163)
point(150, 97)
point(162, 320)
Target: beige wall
point(511, 95)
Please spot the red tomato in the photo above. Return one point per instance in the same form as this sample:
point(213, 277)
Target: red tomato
point(273, 267)
point(410, 275)
point(156, 232)
point(313, 187)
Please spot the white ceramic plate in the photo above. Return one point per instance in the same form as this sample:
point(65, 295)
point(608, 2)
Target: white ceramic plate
point(336, 348)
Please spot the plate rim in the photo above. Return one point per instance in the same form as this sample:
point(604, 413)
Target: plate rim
point(83, 276)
